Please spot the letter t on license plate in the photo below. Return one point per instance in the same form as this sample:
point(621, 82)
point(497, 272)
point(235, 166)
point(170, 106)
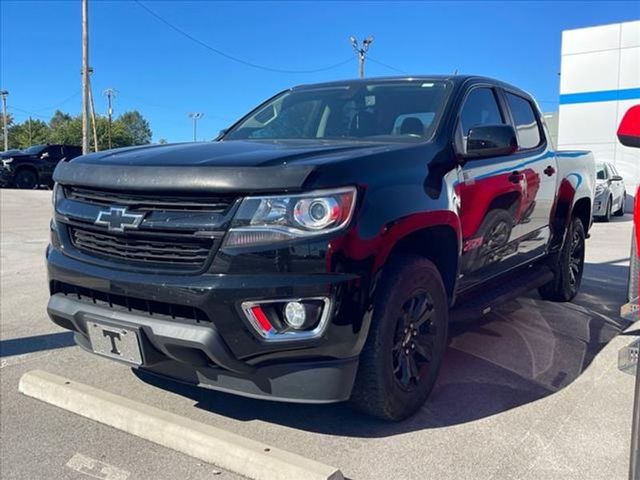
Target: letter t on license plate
point(115, 342)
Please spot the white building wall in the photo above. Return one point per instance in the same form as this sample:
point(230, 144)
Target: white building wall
point(599, 82)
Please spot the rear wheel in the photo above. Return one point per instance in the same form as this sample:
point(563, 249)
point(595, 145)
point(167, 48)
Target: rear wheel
point(25, 179)
point(407, 340)
point(568, 266)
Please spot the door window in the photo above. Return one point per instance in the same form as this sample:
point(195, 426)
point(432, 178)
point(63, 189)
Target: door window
point(480, 108)
point(526, 121)
point(54, 151)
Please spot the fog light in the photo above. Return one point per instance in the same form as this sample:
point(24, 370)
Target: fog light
point(295, 314)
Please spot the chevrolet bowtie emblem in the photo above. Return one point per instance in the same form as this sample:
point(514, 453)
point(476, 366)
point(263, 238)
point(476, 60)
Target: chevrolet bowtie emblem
point(117, 219)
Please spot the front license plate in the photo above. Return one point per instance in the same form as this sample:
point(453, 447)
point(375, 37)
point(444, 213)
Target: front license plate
point(115, 342)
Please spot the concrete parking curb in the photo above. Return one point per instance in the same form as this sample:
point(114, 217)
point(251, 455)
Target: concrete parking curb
point(227, 450)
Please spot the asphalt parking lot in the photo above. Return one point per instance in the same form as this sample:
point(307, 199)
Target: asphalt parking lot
point(532, 391)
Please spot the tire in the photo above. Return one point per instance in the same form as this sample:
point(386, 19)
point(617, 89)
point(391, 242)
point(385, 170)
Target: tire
point(407, 339)
point(568, 266)
point(607, 213)
point(620, 211)
point(25, 179)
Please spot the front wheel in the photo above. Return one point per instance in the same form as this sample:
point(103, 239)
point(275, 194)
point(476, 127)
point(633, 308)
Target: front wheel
point(406, 343)
point(26, 179)
point(620, 211)
point(568, 266)
point(607, 211)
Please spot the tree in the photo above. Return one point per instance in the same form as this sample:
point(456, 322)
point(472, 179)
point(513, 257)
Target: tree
point(66, 129)
point(30, 132)
point(59, 119)
point(131, 128)
point(163, 141)
point(137, 127)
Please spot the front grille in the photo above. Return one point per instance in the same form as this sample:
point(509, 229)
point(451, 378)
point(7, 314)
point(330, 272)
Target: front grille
point(124, 303)
point(179, 230)
point(151, 201)
point(185, 251)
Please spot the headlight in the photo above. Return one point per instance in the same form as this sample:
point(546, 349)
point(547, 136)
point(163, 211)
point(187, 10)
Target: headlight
point(56, 194)
point(7, 161)
point(599, 188)
point(269, 219)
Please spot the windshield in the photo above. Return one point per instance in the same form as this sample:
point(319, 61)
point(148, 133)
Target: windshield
point(35, 149)
point(392, 111)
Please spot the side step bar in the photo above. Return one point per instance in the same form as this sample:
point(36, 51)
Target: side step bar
point(474, 305)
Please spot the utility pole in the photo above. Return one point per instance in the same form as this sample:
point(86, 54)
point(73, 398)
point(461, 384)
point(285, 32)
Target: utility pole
point(361, 51)
point(195, 116)
point(30, 132)
point(111, 94)
point(3, 94)
point(85, 77)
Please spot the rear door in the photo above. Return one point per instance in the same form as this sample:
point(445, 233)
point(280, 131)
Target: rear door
point(53, 155)
point(505, 202)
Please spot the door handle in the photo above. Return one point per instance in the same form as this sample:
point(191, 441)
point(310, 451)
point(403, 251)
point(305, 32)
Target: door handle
point(516, 177)
point(549, 171)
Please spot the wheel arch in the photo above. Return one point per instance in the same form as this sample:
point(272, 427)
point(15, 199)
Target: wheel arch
point(582, 210)
point(438, 243)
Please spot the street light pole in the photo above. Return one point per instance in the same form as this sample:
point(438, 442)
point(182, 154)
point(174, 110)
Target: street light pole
point(195, 116)
point(110, 93)
point(85, 77)
point(5, 131)
point(361, 51)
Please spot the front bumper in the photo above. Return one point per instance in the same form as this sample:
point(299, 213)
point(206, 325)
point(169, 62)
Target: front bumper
point(6, 176)
point(600, 204)
point(224, 353)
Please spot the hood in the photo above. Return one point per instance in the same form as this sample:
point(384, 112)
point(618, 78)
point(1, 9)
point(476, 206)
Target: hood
point(224, 166)
point(235, 153)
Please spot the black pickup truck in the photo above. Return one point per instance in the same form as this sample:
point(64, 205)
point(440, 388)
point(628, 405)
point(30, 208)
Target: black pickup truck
point(318, 249)
point(34, 166)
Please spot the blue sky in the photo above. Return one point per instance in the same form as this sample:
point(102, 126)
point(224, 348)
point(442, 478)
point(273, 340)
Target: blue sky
point(165, 75)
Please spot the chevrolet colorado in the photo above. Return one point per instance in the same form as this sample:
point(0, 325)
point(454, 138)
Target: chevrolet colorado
point(319, 248)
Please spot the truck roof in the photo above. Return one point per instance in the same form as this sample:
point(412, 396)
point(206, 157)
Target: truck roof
point(455, 79)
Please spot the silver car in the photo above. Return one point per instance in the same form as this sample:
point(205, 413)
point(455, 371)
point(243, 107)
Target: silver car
point(610, 192)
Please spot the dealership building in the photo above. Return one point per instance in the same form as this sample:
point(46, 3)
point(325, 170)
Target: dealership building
point(599, 82)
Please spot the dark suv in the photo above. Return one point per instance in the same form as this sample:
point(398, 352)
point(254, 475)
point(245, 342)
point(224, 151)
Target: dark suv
point(34, 166)
point(318, 250)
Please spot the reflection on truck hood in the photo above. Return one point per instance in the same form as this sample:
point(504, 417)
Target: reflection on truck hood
point(237, 153)
point(239, 165)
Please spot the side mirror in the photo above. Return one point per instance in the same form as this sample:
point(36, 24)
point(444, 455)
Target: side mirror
point(491, 141)
point(629, 129)
point(616, 178)
point(221, 134)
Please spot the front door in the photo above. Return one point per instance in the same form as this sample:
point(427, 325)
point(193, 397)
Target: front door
point(506, 201)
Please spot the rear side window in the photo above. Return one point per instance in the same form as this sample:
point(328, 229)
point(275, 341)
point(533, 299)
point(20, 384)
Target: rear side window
point(526, 122)
point(480, 108)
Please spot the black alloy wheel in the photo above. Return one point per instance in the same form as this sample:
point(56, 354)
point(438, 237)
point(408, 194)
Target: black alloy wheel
point(413, 340)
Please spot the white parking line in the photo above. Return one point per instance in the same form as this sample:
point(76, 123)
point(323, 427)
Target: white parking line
point(96, 468)
point(227, 450)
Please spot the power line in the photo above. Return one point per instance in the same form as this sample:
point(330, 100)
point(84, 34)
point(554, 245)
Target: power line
point(62, 102)
point(386, 65)
point(234, 58)
point(28, 112)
